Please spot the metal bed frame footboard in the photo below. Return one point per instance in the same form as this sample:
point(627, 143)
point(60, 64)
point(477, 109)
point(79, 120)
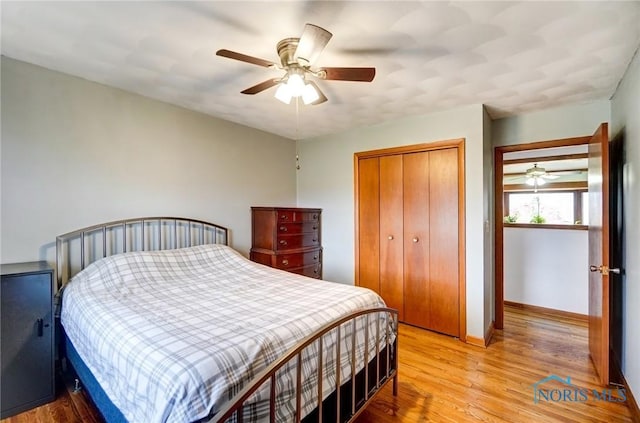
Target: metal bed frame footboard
point(76, 250)
point(234, 408)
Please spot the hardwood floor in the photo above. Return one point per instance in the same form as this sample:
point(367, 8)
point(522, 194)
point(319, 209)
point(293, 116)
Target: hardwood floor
point(69, 407)
point(445, 380)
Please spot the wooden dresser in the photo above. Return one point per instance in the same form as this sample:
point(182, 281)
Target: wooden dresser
point(287, 239)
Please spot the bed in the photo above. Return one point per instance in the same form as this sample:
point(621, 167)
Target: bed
point(163, 321)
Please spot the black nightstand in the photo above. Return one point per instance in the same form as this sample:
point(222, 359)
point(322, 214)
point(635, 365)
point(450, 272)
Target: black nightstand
point(27, 337)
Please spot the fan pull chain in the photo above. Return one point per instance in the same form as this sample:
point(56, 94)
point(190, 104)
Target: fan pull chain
point(297, 132)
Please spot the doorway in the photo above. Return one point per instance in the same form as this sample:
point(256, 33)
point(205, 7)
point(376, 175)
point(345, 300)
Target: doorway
point(605, 294)
point(501, 211)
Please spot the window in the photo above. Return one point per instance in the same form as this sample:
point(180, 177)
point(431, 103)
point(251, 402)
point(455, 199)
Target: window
point(585, 208)
point(558, 208)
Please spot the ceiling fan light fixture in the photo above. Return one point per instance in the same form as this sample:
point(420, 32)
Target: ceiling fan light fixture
point(541, 181)
point(283, 93)
point(296, 84)
point(297, 55)
point(531, 181)
point(309, 94)
point(536, 171)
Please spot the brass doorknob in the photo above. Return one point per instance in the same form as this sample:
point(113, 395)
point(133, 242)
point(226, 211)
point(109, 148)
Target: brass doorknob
point(415, 239)
point(603, 269)
point(390, 237)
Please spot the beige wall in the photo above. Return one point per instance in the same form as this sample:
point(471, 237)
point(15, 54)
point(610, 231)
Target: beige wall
point(547, 268)
point(326, 180)
point(550, 124)
point(625, 118)
point(76, 153)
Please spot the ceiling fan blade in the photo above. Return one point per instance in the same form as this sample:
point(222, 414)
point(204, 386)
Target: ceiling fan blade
point(244, 58)
point(549, 176)
point(262, 86)
point(349, 74)
point(568, 172)
point(513, 179)
point(313, 40)
point(322, 98)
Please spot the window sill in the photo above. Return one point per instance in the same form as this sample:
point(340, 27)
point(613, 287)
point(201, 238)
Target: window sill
point(546, 226)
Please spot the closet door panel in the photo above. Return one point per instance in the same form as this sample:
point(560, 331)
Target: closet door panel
point(416, 203)
point(391, 233)
point(443, 235)
point(369, 223)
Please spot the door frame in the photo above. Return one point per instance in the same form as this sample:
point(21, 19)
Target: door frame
point(418, 148)
point(499, 211)
point(617, 255)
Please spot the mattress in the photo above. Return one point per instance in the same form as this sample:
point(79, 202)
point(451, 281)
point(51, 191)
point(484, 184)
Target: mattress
point(173, 335)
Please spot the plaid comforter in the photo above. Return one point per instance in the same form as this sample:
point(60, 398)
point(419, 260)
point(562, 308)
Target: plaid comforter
point(173, 335)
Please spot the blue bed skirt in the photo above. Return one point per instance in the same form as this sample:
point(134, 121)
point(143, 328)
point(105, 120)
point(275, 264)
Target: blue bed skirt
point(108, 410)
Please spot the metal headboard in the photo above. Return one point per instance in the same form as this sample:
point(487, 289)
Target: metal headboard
point(76, 250)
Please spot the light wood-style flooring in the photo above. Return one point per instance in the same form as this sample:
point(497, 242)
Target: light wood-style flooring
point(445, 380)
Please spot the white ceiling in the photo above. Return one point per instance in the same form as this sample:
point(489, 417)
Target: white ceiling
point(550, 166)
point(547, 152)
point(512, 56)
point(565, 169)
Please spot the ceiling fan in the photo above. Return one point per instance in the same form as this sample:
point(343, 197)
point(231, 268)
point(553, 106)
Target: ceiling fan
point(534, 176)
point(297, 57)
point(537, 175)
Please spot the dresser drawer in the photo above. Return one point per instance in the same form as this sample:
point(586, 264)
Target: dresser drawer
point(297, 216)
point(313, 271)
point(298, 227)
point(289, 242)
point(290, 261)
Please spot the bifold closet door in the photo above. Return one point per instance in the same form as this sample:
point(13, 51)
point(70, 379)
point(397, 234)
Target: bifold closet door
point(443, 236)
point(430, 189)
point(408, 248)
point(391, 233)
point(369, 223)
point(416, 239)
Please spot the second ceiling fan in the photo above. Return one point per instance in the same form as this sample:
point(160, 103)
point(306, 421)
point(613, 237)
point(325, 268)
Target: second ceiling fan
point(297, 57)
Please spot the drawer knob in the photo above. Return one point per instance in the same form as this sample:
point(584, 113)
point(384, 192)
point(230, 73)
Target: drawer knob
point(315, 257)
point(315, 227)
point(390, 237)
point(315, 239)
point(315, 217)
point(416, 239)
point(283, 217)
point(283, 242)
point(315, 271)
point(283, 228)
point(285, 262)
